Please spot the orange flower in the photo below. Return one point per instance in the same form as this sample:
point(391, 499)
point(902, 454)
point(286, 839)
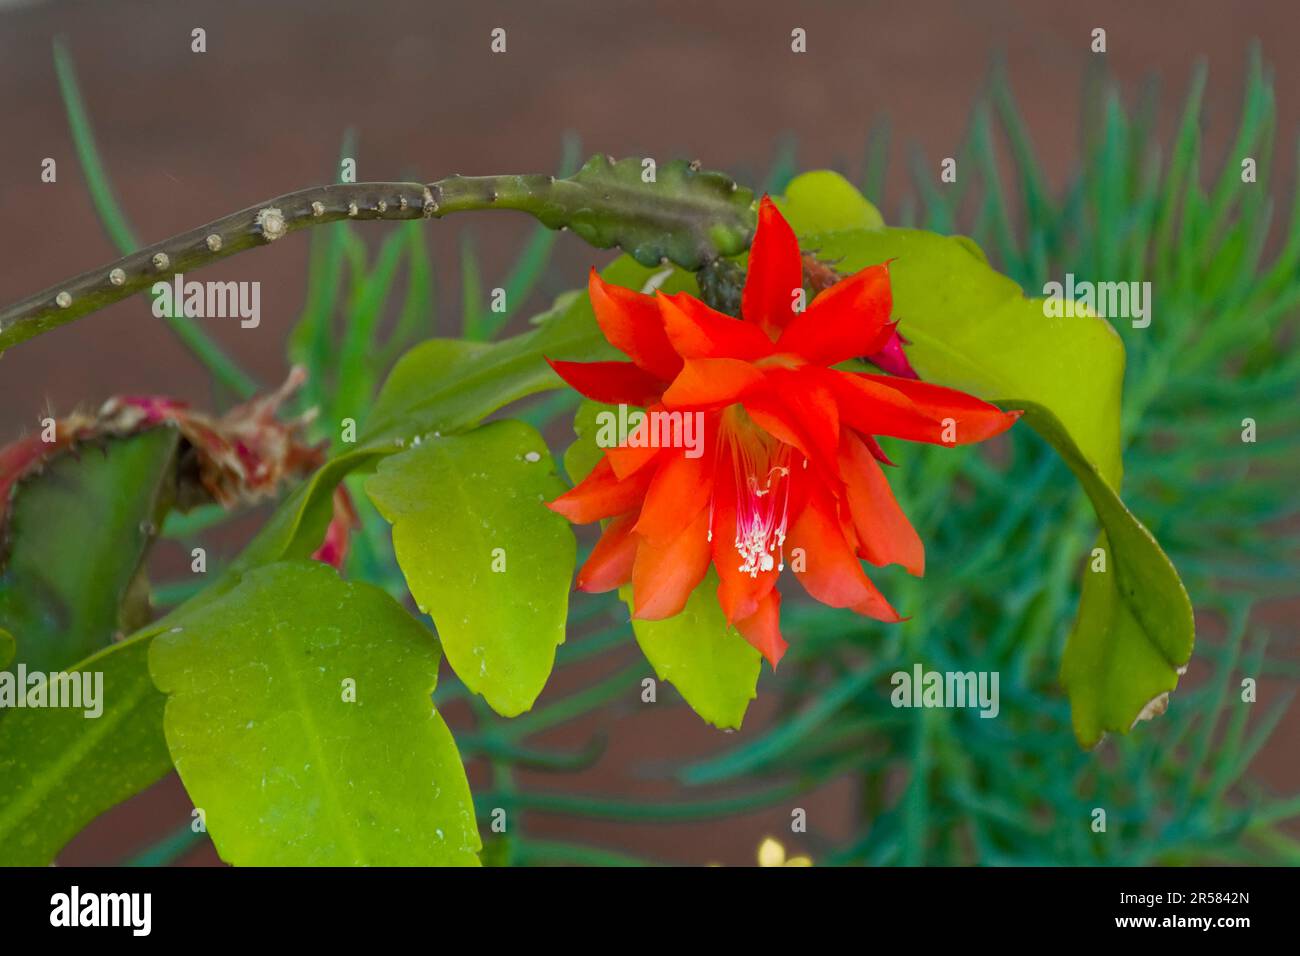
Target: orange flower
point(789, 464)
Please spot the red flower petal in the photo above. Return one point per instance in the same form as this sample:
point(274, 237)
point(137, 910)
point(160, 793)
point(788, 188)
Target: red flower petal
point(800, 410)
point(885, 536)
point(972, 419)
point(601, 495)
point(762, 629)
point(615, 383)
point(638, 450)
point(848, 320)
point(871, 405)
point(832, 573)
point(775, 272)
point(681, 487)
point(628, 460)
point(610, 564)
point(697, 331)
point(632, 324)
point(665, 574)
point(877, 452)
point(712, 382)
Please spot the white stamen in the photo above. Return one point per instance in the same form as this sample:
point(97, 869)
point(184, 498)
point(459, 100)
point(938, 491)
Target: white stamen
point(762, 504)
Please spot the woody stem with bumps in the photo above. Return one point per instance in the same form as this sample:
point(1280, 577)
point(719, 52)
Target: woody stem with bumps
point(263, 224)
point(260, 225)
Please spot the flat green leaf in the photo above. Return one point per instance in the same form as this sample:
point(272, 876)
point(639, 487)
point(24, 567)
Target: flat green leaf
point(8, 647)
point(77, 535)
point(287, 769)
point(973, 329)
point(59, 769)
point(824, 201)
point(710, 664)
point(1134, 631)
point(429, 376)
point(483, 555)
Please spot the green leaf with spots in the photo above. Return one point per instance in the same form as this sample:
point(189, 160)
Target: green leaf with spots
point(299, 718)
point(973, 329)
point(74, 542)
point(483, 555)
point(59, 769)
point(711, 665)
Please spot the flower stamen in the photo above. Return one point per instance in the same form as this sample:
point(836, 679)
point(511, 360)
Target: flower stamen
point(762, 471)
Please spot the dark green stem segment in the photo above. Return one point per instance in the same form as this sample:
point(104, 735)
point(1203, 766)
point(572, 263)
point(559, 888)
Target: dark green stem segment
point(674, 213)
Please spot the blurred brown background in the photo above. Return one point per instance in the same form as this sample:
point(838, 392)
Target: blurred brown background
point(187, 137)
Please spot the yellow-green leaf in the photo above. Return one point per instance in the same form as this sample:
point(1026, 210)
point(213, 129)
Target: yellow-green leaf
point(300, 720)
point(824, 201)
point(710, 664)
point(483, 555)
point(59, 768)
